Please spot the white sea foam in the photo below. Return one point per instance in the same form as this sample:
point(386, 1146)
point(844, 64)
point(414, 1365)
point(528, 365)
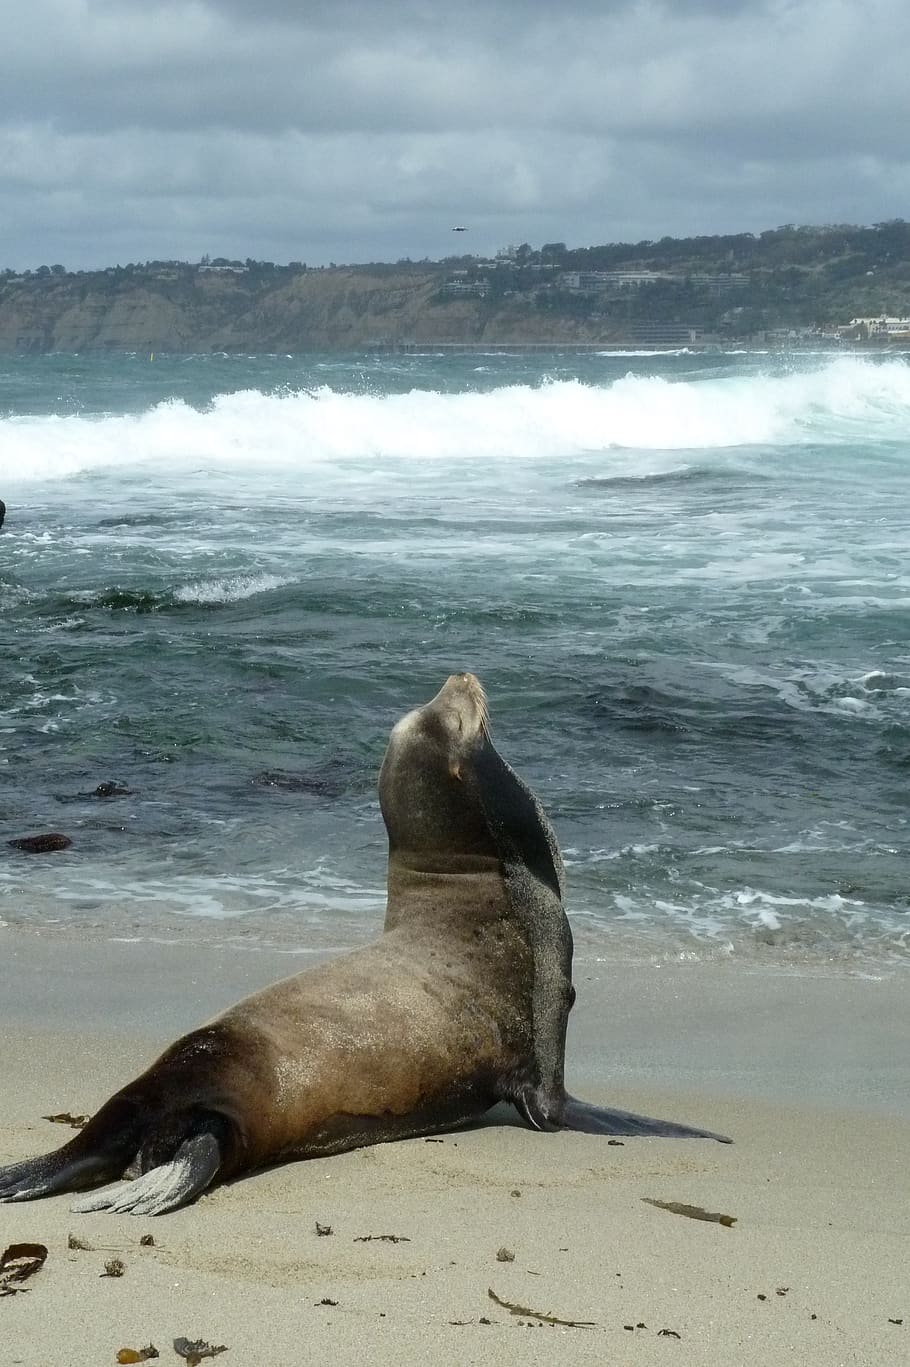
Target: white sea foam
point(230, 589)
point(306, 430)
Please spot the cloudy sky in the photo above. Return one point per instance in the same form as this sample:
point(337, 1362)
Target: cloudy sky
point(357, 130)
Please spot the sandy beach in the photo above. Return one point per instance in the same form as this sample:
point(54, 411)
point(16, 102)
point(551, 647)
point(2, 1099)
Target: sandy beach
point(807, 1072)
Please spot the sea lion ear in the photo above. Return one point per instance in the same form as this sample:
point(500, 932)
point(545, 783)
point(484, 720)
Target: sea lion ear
point(520, 830)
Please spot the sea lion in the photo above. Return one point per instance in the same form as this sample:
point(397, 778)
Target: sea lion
point(460, 1004)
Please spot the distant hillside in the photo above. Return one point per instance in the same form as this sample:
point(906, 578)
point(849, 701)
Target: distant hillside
point(724, 288)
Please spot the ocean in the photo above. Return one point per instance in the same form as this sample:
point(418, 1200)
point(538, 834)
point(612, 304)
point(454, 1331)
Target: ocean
point(683, 579)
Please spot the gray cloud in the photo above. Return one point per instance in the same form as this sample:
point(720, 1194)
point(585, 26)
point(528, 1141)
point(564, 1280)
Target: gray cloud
point(354, 131)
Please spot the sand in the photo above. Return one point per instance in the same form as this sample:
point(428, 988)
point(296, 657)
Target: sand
point(807, 1071)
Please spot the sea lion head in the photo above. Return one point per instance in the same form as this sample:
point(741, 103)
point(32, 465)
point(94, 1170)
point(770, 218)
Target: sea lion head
point(428, 799)
point(448, 797)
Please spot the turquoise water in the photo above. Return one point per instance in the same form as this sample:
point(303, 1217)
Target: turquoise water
point(684, 581)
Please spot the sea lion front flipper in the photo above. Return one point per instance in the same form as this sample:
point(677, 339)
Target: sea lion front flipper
point(588, 1119)
point(165, 1187)
point(534, 877)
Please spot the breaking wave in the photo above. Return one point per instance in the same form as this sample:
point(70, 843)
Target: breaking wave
point(842, 399)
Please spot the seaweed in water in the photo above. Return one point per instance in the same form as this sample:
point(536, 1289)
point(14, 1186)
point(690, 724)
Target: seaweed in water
point(41, 844)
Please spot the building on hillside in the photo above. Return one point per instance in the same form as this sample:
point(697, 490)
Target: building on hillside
point(884, 328)
point(662, 334)
point(464, 289)
point(593, 282)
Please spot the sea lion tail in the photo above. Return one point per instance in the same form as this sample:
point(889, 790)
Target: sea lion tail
point(588, 1119)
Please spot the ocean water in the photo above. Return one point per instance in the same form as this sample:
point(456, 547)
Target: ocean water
point(683, 579)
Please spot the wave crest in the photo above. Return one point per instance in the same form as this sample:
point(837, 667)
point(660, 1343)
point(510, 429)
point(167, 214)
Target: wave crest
point(303, 430)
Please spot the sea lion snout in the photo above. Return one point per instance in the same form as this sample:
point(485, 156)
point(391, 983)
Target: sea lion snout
point(454, 719)
point(426, 790)
point(462, 705)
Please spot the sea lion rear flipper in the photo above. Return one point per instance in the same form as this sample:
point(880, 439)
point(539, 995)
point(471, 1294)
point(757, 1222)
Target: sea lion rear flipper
point(49, 1174)
point(165, 1187)
point(588, 1119)
point(98, 1153)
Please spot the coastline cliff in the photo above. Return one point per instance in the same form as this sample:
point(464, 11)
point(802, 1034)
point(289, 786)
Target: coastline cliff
point(784, 286)
point(314, 310)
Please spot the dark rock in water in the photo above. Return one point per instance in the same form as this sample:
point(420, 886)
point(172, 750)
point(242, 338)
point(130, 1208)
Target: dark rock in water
point(2, 511)
point(41, 844)
point(104, 790)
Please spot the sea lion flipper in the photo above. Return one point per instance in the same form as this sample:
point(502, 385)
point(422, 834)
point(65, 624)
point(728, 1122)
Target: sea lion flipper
point(588, 1119)
point(98, 1153)
point(47, 1175)
point(165, 1187)
point(517, 821)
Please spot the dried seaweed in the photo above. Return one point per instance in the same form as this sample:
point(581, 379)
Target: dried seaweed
point(505, 1255)
point(113, 1268)
point(74, 1243)
point(545, 1318)
point(323, 1230)
point(147, 1241)
point(138, 1354)
point(668, 1334)
point(20, 1261)
point(64, 1118)
point(382, 1238)
point(693, 1212)
point(197, 1350)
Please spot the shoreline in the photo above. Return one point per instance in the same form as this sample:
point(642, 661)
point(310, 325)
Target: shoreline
point(808, 1075)
point(827, 1036)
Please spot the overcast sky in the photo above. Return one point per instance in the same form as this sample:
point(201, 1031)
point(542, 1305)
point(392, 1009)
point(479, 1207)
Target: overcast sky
point(357, 130)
